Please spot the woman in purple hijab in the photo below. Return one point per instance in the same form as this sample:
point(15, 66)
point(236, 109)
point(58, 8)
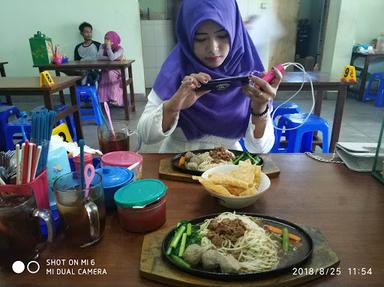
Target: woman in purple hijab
point(212, 43)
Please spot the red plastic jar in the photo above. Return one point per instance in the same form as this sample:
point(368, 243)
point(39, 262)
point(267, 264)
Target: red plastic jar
point(141, 205)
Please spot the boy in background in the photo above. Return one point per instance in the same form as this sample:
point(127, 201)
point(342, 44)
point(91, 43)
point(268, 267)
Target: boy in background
point(87, 51)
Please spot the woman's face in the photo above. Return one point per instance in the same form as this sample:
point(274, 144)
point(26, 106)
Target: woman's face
point(211, 44)
point(107, 40)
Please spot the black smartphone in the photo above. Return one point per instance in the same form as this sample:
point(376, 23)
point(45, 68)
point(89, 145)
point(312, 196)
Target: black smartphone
point(223, 83)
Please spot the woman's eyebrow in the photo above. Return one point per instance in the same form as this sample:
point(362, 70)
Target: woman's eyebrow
point(202, 33)
point(221, 30)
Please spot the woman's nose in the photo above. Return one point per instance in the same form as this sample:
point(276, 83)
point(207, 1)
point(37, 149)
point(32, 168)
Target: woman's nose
point(213, 46)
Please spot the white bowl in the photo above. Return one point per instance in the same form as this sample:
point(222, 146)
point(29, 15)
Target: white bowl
point(236, 202)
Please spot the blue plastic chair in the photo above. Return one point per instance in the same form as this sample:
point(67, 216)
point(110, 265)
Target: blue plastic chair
point(300, 139)
point(287, 108)
point(378, 95)
point(6, 112)
point(83, 94)
point(13, 130)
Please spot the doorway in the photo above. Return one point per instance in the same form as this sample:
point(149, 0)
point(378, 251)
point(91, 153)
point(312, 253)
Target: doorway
point(311, 25)
point(157, 18)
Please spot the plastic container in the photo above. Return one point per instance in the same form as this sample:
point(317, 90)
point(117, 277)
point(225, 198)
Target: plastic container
point(141, 205)
point(41, 49)
point(113, 178)
point(76, 161)
point(124, 159)
point(39, 186)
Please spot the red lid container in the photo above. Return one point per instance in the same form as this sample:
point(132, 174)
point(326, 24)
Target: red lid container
point(124, 159)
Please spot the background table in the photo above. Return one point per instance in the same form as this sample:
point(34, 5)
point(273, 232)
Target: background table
point(101, 65)
point(322, 82)
point(30, 87)
point(347, 207)
point(2, 74)
point(362, 72)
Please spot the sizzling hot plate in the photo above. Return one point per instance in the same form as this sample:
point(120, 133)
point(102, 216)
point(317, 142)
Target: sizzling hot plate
point(287, 262)
point(175, 160)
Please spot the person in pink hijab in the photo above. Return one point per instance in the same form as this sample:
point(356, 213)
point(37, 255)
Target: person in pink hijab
point(110, 89)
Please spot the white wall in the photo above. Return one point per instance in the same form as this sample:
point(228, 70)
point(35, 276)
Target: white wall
point(257, 7)
point(20, 19)
point(158, 41)
point(349, 22)
point(369, 20)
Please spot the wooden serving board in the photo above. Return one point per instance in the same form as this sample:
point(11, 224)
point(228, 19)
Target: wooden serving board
point(166, 170)
point(153, 267)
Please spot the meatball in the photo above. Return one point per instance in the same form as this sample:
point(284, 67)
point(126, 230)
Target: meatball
point(193, 253)
point(191, 165)
point(229, 264)
point(210, 259)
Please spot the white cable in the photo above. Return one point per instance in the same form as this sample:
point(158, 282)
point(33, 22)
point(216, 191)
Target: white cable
point(305, 74)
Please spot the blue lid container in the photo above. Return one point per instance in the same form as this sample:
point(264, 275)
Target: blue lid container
point(113, 178)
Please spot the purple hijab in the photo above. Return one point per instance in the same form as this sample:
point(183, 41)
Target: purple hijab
point(220, 113)
point(115, 39)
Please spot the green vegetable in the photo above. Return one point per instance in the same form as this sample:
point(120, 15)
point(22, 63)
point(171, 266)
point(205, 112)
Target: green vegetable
point(176, 238)
point(189, 229)
point(195, 237)
point(254, 160)
point(180, 261)
point(276, 237)
point(181, 223)
point(169, 250)
point(285, 240)
point(182, 244)
point(237, 159)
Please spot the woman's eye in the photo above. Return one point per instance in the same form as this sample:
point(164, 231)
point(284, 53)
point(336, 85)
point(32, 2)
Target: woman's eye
point(223, 36)
point(199, 39)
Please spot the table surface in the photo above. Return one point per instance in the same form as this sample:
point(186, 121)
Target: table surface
point(318, 79)
point(347, 207)
point(21, 84)
point(87, 65)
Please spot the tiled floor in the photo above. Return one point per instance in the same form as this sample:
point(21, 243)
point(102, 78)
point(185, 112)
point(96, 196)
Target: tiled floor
point(361, 121)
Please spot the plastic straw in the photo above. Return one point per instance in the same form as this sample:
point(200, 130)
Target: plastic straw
point(38, 154)
point(30, 156)
point(81, 144)
point(17, 163)
point(107, 111)
point(42, 125)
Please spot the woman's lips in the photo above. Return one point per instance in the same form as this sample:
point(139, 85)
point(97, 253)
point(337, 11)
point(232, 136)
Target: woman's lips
point(213, 59)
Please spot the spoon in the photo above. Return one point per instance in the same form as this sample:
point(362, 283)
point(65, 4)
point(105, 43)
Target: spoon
point(89, 174)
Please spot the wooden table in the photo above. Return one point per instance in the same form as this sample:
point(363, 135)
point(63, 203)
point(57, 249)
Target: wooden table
point(101, 65)
point(362, 71)
point(322, 82)
point(30, 87)
point(2, 74)
point(347, 207)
